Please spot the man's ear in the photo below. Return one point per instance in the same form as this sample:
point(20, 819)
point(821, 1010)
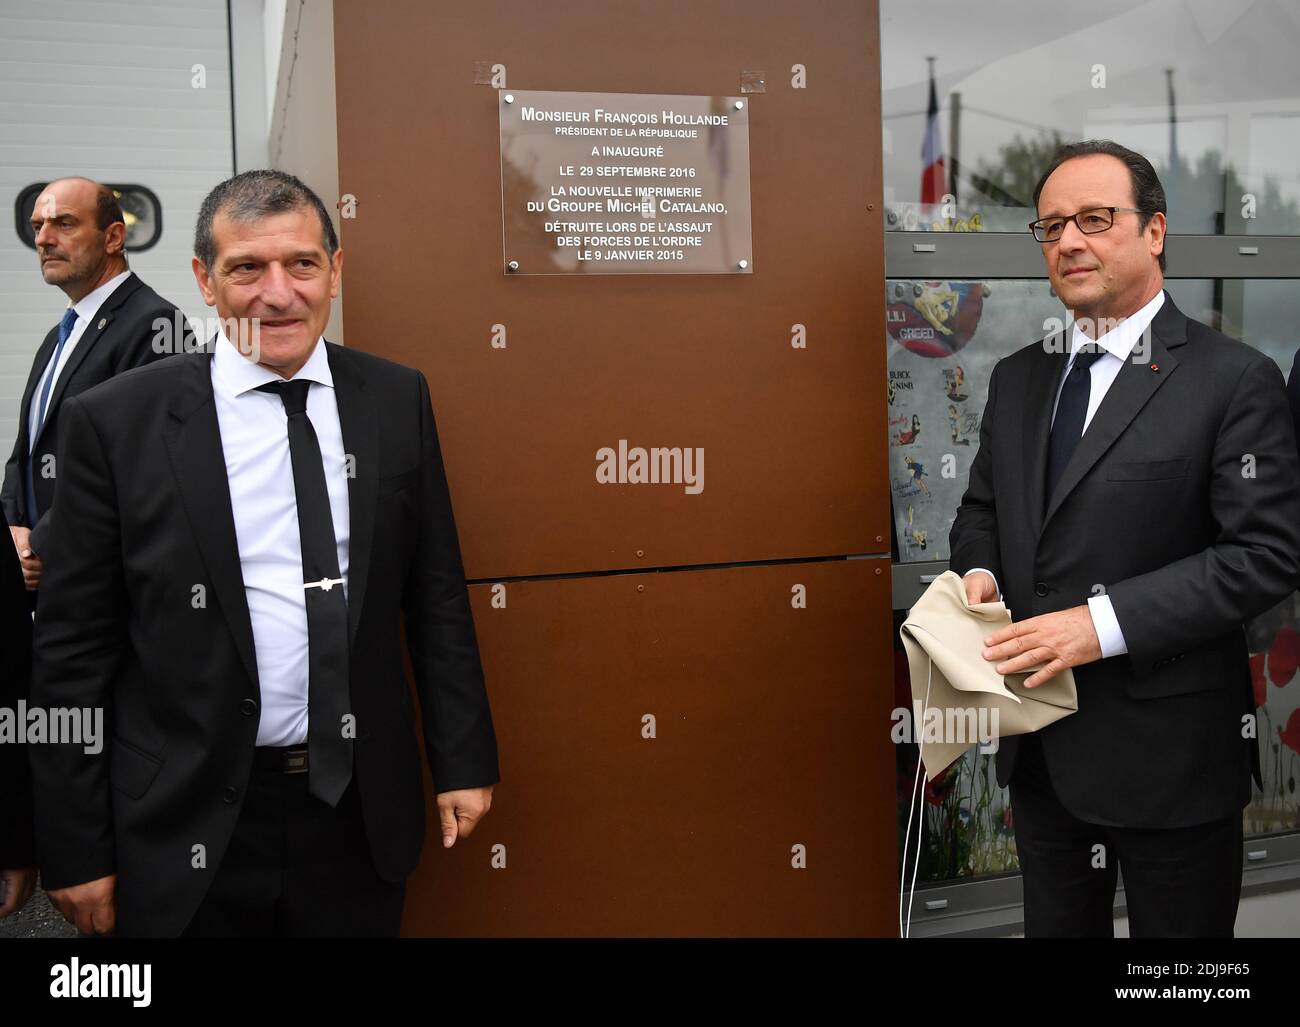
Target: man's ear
point(1158, 225)
point(115, 238)
point(202, 276)
point(336, 272)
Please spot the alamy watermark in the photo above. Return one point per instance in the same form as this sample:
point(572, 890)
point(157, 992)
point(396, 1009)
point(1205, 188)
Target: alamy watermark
point(952, 725)
point(657, 465)
point(60, 725)
point(75, 979)
point(1056, 339)
point(182, 334)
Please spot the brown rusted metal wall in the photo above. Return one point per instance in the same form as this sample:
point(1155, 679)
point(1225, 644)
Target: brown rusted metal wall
point(770, 721)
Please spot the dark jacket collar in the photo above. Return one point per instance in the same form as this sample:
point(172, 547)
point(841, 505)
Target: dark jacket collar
point(1136, 382)
point(192, 436)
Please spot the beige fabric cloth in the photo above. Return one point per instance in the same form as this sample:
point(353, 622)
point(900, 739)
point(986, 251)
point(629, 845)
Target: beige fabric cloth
point(943, 637)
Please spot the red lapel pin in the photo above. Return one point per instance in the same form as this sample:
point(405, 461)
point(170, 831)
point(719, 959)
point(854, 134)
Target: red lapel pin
point(1155, 367)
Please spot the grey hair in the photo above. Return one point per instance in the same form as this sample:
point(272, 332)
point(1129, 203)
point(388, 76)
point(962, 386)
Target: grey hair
point(251, 195)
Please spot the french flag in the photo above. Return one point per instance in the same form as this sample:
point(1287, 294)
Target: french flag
point(933, 180)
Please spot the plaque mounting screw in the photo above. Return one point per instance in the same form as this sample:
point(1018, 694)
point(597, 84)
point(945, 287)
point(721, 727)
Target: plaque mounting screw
point(742, 264)
point(510, 97)
point(740, 104)
point(513, 266)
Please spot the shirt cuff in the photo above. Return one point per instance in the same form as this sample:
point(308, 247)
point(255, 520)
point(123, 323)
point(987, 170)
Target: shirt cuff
point(989, 573)
point(1106, 625)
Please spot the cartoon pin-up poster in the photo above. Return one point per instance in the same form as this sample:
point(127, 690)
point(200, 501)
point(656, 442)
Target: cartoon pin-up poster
point(944, 338)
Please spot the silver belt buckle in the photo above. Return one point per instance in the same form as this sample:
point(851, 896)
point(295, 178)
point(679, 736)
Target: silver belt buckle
point(295, 761)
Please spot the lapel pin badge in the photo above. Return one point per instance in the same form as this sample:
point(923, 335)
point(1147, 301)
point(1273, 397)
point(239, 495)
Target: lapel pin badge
point(1155, 367)
point(103, 321)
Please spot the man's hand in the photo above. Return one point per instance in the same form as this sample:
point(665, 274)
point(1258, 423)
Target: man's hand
point(30, 561)
point(16, 887)
point(1055, 640)
point(90, 906)
point(461, 810)
point(980, 588)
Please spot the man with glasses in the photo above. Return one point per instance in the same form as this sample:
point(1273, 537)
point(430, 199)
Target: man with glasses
point(1135, 498)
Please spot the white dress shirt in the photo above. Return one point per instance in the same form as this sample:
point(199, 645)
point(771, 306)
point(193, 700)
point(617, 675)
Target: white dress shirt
point(255, 440)
point(86, 307)
point(1118, 344)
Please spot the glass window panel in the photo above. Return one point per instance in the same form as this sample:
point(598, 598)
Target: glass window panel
point(943, 339)
point(1207, 89)
point(967, 821)
point(1274, 642)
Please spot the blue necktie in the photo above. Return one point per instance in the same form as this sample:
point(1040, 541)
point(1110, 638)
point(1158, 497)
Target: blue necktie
point(1071, 411)
point(65, 330)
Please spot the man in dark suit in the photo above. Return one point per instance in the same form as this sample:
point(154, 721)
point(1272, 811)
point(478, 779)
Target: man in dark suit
point(1136, 498)
point(113, 322)
point(254, 526)
point(17, 845)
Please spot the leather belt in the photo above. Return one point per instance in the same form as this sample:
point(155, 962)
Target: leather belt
point(286, 759)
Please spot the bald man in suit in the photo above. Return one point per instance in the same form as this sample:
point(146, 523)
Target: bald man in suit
point(113, 322)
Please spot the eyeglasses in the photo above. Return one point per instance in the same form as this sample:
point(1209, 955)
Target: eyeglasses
point(1090, 222)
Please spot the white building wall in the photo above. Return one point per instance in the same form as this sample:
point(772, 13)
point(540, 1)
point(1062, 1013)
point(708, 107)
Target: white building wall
point(106, 89)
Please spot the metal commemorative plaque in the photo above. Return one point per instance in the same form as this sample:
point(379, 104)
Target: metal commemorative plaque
point(624, 183)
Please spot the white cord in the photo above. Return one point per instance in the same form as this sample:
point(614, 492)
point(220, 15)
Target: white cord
point(905, 932)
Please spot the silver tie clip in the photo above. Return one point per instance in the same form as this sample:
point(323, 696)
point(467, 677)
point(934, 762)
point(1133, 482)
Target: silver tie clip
point(325, 584)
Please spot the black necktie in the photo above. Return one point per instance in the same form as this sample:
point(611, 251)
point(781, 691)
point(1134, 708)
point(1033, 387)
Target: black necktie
point(1071, 410)
point(329, 746)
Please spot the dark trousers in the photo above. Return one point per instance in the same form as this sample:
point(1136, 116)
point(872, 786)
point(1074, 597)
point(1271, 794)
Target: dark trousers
point(297, 868)
point(1178, 883)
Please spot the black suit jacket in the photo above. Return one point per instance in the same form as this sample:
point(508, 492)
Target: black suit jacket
point(1183, 502)
point(120, 337)
point(1293, 393)
point(17, 846)
point(147, 517)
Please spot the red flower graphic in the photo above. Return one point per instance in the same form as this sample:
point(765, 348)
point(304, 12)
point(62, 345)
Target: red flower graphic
point(1284, 656)
point(1257, 678)
point(1290, 735)
point(937, 790)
